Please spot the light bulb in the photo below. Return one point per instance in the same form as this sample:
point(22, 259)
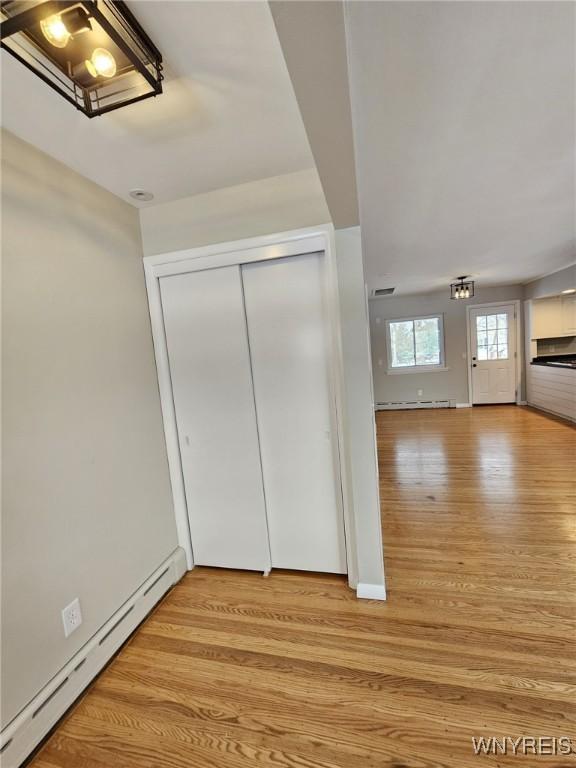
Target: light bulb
point(101, 63)
point(55, 31)
point(467, 293)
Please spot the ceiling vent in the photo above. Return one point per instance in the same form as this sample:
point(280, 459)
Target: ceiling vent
point(377, 292)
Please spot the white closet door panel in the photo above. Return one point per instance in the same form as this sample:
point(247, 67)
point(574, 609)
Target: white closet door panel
point(290, 352)
point(214, 402)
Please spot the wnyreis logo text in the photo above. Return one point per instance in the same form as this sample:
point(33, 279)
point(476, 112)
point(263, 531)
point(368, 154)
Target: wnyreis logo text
point(523, 745)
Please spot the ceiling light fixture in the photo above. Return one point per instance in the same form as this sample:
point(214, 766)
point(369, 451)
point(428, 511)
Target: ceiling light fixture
point(570, 290)
point(59, 28)
point(463, 289)
point(141, 195)
point(93, 52)
point(101, 63)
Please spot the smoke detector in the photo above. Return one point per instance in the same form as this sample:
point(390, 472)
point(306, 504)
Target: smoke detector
point(141, 195)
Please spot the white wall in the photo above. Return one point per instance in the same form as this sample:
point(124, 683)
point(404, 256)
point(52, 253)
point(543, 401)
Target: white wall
point(362, 472)
point(263, 207)
point(87, 509)
point(552, 284)
point(441, 385)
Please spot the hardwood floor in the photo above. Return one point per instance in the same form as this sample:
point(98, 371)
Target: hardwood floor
point(477, 637)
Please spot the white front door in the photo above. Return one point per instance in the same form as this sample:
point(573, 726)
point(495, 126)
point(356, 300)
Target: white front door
point(493, 354)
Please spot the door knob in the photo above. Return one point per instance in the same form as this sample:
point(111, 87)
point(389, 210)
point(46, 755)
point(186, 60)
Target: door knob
point(473, 365)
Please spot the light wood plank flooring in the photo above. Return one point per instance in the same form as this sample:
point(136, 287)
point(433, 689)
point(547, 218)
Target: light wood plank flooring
point(477, 637)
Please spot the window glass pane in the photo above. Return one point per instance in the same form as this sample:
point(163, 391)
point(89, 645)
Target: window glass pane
point(502, 351)
point(481, 338)
point(402, 344)
point(502, 321)
point(482, 353)
point(502, 336)
point(493, 352)
point(493, 336)
point(491, 321)
point(481, 323)
point(427, 340)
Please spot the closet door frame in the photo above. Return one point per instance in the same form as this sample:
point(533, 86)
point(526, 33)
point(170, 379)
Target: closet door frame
point(294, 243)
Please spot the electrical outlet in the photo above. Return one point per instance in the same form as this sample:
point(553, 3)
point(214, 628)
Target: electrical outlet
point(420, 392)
point(71, 617)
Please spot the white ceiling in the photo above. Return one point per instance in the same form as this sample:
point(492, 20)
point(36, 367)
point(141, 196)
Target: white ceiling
point(463, 117)
point(228, 114)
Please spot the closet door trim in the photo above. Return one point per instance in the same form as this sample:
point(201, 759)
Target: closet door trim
point(295, 243)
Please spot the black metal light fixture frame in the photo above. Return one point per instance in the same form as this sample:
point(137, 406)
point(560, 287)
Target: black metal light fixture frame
point(463, 289)
point(121, 28)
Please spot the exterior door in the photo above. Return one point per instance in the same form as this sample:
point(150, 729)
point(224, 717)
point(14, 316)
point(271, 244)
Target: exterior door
point(493, 354)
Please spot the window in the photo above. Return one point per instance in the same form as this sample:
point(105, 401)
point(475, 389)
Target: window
point(415, 343)
point(492, 336)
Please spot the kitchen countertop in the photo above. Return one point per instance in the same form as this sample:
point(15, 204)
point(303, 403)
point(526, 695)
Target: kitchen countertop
point(566, 362)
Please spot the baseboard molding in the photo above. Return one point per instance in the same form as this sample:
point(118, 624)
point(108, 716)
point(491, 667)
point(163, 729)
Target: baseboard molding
point(20, 737)
point(463, 405)
point(408, 405)
point(522, 402)
point(562, 416)
point(371, 591)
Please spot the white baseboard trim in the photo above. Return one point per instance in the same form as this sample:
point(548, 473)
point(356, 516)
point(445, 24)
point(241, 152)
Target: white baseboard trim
point(522, 402)
point(371, 591)
point(21, 736)
point(463, 405)
point(408, 405)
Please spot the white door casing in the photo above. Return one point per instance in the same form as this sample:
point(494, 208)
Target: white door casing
point(209, 361)
point(290, 354)
point(493, 353)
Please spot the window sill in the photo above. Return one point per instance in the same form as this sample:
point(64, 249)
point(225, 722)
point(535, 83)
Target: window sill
point(418, 369)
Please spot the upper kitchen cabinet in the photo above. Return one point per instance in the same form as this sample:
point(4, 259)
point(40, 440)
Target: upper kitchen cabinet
point(568, 314)
point(553, 317)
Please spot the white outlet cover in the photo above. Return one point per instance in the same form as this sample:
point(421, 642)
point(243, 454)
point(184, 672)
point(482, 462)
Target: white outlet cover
point(71, 617)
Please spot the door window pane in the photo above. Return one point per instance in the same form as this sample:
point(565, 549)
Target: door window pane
point(492, 337)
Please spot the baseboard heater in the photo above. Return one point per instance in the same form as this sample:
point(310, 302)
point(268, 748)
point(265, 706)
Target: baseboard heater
point(402, 405)
point(21, 736)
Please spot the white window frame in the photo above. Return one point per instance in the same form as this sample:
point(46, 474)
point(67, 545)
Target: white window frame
point(441, 366)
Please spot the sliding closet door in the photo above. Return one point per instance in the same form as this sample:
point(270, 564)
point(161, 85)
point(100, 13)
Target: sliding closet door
point(213, 397)
point(290, 354)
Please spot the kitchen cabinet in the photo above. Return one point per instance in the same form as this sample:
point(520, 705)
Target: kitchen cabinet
point(552, 389)
point(554, 317)
point(568, 314)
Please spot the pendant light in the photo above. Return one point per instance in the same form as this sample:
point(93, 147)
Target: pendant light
point(463, 289)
